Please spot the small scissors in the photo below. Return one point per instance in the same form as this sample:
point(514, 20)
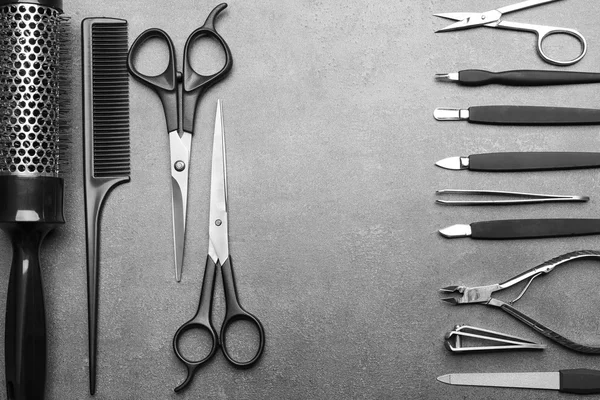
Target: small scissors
point(168, 85)
point(218, 255)
point(493, 19)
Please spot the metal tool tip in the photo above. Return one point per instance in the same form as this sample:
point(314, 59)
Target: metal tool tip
point(449, 289)
point(445, 379)
point(450, 300)
point(450, 114)
point(456, 231)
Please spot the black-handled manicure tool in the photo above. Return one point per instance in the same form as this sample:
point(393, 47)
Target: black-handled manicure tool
point(493, 19)
point(522, 161)
point(180, 93)
point(520, 115)
point(525, 77)
point(522, 198)
point(483, 295)
point(523, 229)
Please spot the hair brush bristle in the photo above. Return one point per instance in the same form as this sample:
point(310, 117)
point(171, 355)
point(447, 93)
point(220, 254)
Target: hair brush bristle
point(33, 91)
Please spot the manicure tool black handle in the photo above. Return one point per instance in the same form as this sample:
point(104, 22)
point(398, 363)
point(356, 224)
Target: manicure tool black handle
point(478, 77)
point(533, 115)
point(549, 333)
point(579, 381)
point(534, 228)
point(202, 321)
point(533, 161)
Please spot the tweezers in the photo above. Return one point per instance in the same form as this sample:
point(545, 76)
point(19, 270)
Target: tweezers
point(454, 340)
point(527, 198)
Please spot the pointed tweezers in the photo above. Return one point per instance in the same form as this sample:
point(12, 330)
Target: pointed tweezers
point(526, 198)
point(454, 340)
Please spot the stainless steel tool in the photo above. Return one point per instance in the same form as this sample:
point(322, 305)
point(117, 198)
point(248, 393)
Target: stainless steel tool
point(499, 341)
point(525, 198)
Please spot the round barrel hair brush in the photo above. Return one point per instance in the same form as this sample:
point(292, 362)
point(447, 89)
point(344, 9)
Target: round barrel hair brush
point(33, 36)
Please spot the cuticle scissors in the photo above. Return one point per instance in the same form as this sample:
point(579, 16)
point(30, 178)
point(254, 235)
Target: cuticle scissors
point(218, 255)
point(180, 93)
point(493, 19)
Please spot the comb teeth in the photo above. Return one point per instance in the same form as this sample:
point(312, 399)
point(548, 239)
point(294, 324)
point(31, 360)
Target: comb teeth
point(110, 99)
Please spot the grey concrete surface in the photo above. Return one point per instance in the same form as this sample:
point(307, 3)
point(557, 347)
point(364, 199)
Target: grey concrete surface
point(331, 149)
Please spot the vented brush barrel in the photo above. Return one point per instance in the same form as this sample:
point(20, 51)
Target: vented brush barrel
point(31, 191)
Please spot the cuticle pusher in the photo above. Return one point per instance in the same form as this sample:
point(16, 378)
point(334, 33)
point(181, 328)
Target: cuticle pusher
point(522, 161)
point(526, 198)
point(520, 115)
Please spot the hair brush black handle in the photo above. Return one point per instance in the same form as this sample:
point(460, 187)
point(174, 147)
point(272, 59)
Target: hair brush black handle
point(25, 337)
point(29, 209)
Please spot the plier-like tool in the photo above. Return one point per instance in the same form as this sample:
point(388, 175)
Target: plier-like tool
point(483, 295)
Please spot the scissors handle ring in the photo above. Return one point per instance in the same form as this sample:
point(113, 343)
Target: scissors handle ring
point(548, 31)
point(165, 83)
point(239, 314)
point(167, 80)
point(190, 365)
point(542, 33)
point(195, 84)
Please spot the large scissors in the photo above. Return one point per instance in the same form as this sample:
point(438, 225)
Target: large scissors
point(493, 19)
point(169, 86)
point(218, 255)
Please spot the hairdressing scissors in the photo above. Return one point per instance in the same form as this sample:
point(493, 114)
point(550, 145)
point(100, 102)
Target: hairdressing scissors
point(218, 255)
point(169, 86)
point(493, 19)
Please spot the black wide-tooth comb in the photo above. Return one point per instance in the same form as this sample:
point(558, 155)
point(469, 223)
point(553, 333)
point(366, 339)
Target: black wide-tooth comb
point(106, 140)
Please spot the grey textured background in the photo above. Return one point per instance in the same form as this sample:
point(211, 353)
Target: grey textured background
point(331, 144)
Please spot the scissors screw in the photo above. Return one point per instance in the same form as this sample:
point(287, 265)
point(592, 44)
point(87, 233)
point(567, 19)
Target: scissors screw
point(483, 17)
point(179, 166)
point(218, 222)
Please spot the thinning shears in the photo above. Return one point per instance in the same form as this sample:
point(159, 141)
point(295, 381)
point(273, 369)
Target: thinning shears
point(493, 19)
point(483, 295)
point(218, 255)
point(180, 93)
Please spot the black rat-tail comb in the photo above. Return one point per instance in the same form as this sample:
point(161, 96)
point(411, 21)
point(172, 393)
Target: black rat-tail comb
point(106, 140)
point(33, 43)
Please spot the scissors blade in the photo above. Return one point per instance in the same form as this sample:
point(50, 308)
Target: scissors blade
point(523, 5)
point(180, 160)
point(218, 228)
point(468, 20)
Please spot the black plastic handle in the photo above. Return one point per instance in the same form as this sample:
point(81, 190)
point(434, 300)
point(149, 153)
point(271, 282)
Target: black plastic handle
point(25, 342)
point(165, 83)
point(525, 77)
point(579, 381)
point(534, 228)
point(194, 84)
point(533, 161)
point(235, 312)
point(533, 115)
point(547, 332)
point(200, 321)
